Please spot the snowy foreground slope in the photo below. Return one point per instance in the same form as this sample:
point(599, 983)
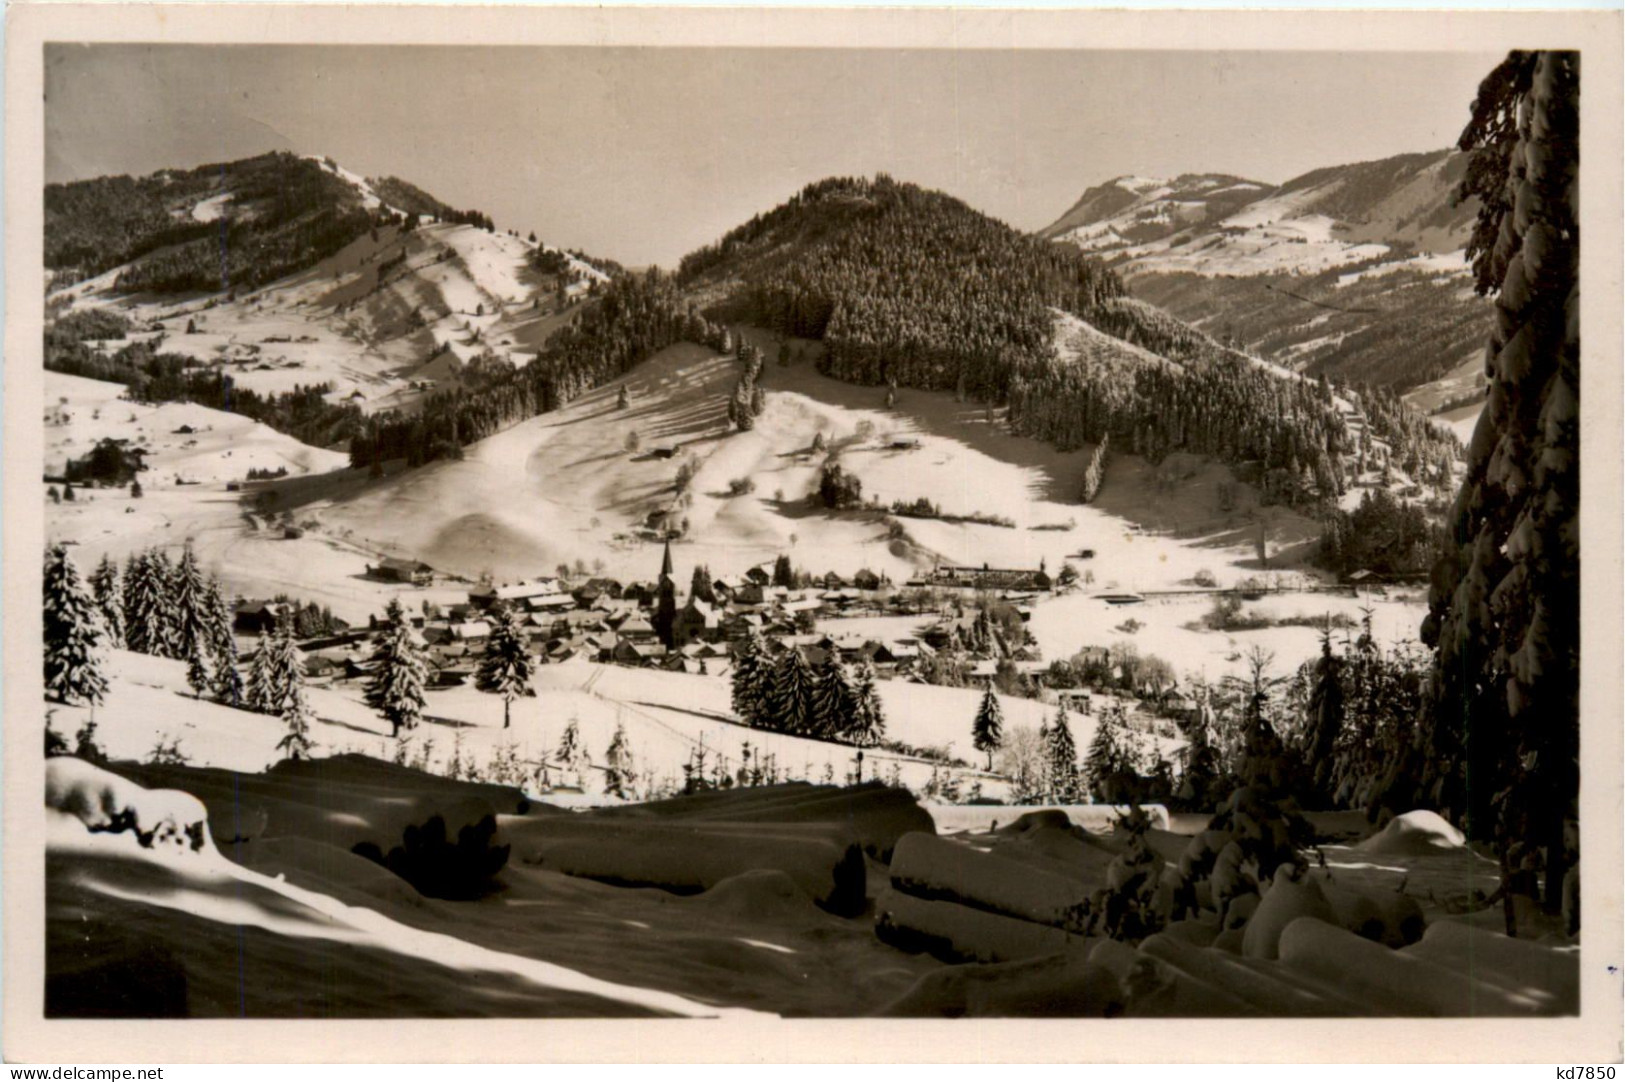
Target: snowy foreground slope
point(348, 886)
point(359, 889)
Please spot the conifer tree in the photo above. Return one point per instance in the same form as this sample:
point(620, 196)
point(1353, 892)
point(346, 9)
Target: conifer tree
point(987, 731)
point(1325, 721)
point(790, 704)
point(109, 594)
point(868, 716)
point(506, 666)
point(146, 601)
point(222, 641)
point(1106, 755)
point(1061, 760)
point(190, 607)
point(74, 636)
point(620, 770)
point(700, 588)
point(395, 688)
point(1505, 603)
point(572, 754)
point(287, 671)
point(296, 743)
point(164, 617)
point(227, 685)
point(751, 679)
point(197, 670)
point(260, 694)
point(833, 713)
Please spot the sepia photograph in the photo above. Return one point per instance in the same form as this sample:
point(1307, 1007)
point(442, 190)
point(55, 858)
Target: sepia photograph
point(813, 527)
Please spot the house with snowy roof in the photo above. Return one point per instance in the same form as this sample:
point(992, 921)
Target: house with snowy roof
point(409, 572)
point(485, 597)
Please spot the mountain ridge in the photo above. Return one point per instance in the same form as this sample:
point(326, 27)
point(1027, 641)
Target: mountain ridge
point(902, 286)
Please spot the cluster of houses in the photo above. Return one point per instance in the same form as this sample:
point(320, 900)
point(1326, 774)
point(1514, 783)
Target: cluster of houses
point(1022, 580)
point(603, 619)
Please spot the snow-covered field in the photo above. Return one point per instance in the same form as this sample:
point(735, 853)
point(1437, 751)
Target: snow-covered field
point(1066, 624)
point(669, 718)
point(248, 551)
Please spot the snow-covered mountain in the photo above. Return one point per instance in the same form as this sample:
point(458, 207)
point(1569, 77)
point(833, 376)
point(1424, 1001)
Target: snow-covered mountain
point(1216, 224)
point(1356, 271)
point(1129, 211)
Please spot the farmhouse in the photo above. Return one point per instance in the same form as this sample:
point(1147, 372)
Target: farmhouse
point(487, 596)
point(252, 616)
point(392, 569)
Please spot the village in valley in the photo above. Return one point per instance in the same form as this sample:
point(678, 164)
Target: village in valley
point(964, 626)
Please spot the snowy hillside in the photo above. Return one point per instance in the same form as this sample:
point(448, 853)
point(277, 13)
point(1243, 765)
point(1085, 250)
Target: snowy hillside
point(384, 319)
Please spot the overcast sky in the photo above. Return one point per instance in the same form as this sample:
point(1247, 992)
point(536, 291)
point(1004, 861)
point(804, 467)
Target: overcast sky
point(642, 154)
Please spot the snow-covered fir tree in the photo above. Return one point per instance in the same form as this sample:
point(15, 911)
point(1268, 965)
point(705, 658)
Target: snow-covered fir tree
point(147, 619)
point(1061, 760)
point(165, 630)
point(506, 666)
point(222, 640)
point(1499, 745)
point(260, 693)
point(790, 702)
point(751, 679)
point(190, 606)
point(1111, 754)
point(198, 676)
point(987, 731)
point(227, 683)
point(107, 587)
point(868, 716)
point(74, 636)
point(572, 755)
point(833, 713)
point(620, 769)
point(296, 742)
point(287, 668)
point(395, 688)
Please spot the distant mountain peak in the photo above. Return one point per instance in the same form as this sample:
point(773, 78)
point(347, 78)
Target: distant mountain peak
point(1373, 250)
point(1133, 208)
point(1401, 199)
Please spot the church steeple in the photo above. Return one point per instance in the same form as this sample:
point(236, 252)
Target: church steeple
point(665, 616)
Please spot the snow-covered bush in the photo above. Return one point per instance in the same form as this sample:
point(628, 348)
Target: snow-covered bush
point(107, 803)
